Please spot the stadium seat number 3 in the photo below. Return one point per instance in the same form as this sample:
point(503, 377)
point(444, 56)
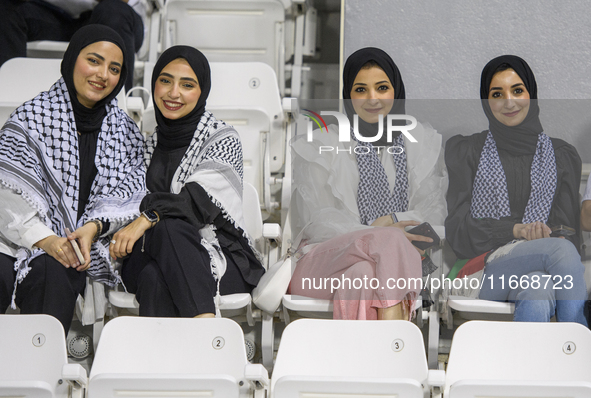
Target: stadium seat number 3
point(397, 345)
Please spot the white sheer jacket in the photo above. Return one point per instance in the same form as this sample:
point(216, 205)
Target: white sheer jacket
point(325, 184)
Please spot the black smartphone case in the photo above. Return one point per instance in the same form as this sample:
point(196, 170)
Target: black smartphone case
point(425, 229)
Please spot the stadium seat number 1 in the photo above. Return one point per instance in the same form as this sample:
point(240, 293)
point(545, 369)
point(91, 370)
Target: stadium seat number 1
point(38, 340)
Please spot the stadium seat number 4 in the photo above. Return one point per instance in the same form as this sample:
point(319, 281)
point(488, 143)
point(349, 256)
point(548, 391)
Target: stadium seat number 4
point(569, 347)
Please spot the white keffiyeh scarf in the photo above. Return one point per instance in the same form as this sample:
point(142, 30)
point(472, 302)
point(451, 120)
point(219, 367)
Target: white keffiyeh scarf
point(39, 160)
point(214, 161)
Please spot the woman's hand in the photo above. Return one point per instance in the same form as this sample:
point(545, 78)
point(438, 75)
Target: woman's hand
point(60, 249)
point(531, 231)
point(84, 235)
point(123, 241)
point(403, 224)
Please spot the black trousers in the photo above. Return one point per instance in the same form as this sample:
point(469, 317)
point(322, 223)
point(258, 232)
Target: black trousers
point(172, 277)
point(22, 21)
point(49, 288)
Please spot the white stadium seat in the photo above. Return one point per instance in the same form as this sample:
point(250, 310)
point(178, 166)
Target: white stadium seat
point(173, 357)
point(33, 359)
point(22, 79)
point(519, 359)
point(229, 30)
point(337, 358)
point(46, 49)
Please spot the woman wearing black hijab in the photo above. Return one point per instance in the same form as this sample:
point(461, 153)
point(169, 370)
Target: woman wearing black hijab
point(508, 186)
point(346, 200)
point(69, 159)
point(191, 232)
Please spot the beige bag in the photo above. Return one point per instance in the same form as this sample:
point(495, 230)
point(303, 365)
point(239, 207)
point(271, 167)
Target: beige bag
point(270, 290)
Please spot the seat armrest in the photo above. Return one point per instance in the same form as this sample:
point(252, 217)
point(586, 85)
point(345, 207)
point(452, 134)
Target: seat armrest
point(439, 230)
point(272, 231)
point(257, 376)
point(75, 375)
point(291, 106)
point(436, 377)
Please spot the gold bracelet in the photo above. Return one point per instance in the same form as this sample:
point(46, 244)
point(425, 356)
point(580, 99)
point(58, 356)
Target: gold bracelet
point(99, 229)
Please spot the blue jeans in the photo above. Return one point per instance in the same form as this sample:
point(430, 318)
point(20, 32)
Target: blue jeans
point(543, 277)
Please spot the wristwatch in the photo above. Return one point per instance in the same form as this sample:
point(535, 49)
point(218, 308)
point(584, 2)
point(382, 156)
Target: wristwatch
point(151, 216)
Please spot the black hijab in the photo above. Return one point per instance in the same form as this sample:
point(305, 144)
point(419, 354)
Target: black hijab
point(521, 139)
point(179, 133)
point(90, 119)
point(352, 67)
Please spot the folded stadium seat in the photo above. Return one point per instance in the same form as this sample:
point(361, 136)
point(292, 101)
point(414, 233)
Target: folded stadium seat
point(519, 359)
point(46, 49)
point(338, 358)
point(33, 359)
point(174, 357)
point(229, 30)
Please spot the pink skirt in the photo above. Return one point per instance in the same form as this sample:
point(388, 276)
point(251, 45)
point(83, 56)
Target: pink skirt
point(361, 271)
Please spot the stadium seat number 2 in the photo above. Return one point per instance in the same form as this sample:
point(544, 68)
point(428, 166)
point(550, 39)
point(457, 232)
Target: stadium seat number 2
point(218, 343)
point(254, 83)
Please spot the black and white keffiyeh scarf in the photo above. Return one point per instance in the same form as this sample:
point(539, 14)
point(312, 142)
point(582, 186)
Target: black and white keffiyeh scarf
point(214, 161)
point(39, 160)
point(374, 196)
point(490, 197)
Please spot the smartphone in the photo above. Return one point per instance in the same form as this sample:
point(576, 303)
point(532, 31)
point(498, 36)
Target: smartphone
point(562, 230)
point(76, 249)
point(425, 229)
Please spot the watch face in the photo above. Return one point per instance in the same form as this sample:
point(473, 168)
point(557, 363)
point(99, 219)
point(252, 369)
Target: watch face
point(150, 215)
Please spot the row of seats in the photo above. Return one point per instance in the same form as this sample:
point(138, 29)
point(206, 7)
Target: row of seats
point(278, 33)
point(265, 122)
point(254, 106)
point(176, 357)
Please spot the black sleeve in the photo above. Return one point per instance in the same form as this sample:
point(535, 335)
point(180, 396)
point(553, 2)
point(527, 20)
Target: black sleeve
point(191, 204)
point(467, 236)
point(566, 207)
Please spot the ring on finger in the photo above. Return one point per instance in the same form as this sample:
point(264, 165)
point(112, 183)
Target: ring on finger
point(113, 241)
point(59, 250)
